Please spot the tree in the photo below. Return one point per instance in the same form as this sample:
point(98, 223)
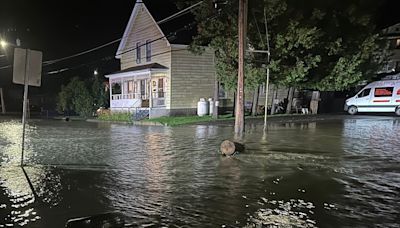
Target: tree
point(323, 45)
point(100, 96)
point(75, 97)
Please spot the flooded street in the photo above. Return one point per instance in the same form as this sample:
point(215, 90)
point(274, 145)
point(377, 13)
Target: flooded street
point(333, 173)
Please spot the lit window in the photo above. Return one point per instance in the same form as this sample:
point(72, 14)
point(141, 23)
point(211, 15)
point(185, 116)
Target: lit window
point(398, 43)
point(138, 53)
point(148, 50)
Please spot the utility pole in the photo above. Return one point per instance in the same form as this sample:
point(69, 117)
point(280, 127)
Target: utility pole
point(239, 113)
point(216, 93)
point(2, 105)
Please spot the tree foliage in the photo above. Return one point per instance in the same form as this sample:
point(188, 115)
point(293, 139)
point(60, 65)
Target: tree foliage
point(78, 97)
point(325, 45)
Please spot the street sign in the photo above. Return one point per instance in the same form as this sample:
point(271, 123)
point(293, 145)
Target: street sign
point(27, 62)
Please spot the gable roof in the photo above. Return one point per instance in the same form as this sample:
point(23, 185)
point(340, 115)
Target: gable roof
point(159, 10)
point(392, 31)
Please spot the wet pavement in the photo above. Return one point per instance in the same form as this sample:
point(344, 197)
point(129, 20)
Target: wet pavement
point(334, 171)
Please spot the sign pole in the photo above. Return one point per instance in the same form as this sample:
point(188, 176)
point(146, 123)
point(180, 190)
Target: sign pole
point(24, 106)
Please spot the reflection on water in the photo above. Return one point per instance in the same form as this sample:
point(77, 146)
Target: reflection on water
point(332, 173)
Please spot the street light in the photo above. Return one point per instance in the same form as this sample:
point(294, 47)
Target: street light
point(3, 44)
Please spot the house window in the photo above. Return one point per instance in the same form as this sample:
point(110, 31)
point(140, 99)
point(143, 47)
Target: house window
point(148, 50)
point(384, 92)
point(138, 53)
point(222, 93)
point(130, 87)
point(398, 44)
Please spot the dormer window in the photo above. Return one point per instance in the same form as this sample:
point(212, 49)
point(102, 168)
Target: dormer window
point(148, 50)
point(138, 53)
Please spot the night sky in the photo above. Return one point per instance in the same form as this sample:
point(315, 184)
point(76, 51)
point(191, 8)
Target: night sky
point(63, 27)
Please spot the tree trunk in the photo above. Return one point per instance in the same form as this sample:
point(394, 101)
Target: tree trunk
point(229, 147)
point(290, 100)
point(254, 104)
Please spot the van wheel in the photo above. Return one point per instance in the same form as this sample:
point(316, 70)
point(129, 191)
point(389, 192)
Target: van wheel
point(352, 110)
point(398, 111)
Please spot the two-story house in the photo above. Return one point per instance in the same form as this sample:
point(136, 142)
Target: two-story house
point(158, 72)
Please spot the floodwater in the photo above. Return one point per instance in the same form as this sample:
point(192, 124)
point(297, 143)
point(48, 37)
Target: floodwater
point(343, 172)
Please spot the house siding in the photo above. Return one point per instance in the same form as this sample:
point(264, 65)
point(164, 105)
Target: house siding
point(193, 77)
point(145, 28)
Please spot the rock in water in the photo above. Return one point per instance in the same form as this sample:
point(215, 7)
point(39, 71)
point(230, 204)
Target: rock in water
point(229, 147)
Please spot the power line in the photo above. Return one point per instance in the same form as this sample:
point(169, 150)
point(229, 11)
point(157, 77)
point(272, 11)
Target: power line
point(169, 18)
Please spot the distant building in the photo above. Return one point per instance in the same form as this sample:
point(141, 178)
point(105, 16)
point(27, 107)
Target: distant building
point(392, 34)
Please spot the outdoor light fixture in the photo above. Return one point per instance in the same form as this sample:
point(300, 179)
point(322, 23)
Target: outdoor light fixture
point(95, 72)
point(3, 44)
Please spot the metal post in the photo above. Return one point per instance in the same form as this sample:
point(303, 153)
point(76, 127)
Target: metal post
point(24, 108)
point(239, 114)
point(3, 106)
point(266, 99)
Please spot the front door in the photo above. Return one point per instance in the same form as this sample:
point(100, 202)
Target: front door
point(363, 100)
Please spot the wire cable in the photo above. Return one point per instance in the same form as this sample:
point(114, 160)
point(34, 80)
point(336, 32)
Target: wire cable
point(169, 18)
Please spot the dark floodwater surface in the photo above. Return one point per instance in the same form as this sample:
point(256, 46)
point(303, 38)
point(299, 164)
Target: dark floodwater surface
point(335, 173)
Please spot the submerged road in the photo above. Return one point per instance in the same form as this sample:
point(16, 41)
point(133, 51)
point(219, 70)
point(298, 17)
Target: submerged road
point(331, 172)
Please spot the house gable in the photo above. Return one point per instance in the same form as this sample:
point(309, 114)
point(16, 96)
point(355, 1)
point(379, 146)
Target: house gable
point(140, 21)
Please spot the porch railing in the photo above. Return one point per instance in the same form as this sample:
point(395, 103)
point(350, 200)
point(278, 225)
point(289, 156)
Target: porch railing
point(128, 96)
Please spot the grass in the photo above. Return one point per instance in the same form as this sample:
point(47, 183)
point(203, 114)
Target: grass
point(116, 117)
point(181, 120)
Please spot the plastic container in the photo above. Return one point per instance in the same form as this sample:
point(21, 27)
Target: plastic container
point(211, 106)
point(202, 107)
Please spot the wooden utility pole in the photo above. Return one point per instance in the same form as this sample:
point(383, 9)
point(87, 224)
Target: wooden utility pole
point(239, 114)
point(216, 93)
point(2, 105)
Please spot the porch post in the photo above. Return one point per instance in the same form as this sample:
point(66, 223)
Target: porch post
point(122, 88)
point(151, 94)
point(110, 89)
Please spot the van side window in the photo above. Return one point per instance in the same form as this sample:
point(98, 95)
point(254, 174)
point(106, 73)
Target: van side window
point(384, 92)
point(364, 93)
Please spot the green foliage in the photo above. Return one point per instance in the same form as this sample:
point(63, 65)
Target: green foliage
point(325, 45)
point(116, 117)
point(100, 95)
point(75, 97)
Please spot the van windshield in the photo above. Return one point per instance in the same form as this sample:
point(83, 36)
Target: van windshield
point(364, 93)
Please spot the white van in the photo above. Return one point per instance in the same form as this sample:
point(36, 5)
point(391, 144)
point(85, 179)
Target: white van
point(379, 96)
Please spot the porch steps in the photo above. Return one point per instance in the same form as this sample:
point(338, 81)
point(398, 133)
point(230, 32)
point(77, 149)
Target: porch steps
point(141, 114)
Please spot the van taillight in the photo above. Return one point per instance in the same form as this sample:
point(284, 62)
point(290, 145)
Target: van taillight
point(398, 92)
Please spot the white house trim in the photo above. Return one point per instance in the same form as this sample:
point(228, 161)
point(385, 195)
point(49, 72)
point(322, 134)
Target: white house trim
point(128, 28)
point(134, 73)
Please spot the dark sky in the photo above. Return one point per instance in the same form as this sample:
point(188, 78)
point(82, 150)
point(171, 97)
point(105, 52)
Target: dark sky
point(63, 27)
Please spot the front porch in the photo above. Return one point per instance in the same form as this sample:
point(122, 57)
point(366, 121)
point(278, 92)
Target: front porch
point(141, 87)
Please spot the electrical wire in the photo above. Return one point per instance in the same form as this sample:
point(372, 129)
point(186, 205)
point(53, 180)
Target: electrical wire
point(169, 18)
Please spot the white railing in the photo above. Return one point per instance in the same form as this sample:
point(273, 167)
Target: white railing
point(128, 96)
point(116, 97)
